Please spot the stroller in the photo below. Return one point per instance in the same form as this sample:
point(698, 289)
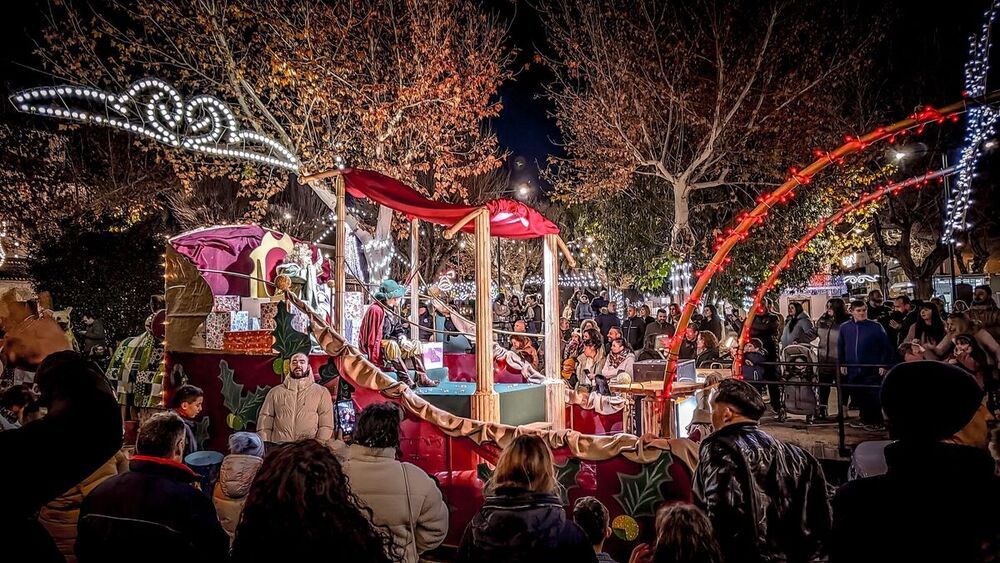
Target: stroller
point(800, 399)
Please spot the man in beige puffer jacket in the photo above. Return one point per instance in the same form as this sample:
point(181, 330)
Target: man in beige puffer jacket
point(401, 496)
point(297, 409)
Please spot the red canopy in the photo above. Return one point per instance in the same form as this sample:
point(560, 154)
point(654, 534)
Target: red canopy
point(508, 218)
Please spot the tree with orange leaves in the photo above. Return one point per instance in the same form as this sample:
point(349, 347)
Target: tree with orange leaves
point(399, 86)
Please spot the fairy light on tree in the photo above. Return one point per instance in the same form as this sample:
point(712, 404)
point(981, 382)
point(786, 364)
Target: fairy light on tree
point(981, 128)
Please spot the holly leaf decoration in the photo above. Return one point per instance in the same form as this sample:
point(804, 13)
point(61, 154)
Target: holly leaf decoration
point(287, 340)
point(231, 391)
point(484, 473)
point(201, 432)
point(250, 404)
point(566, 477)
point(639, 493)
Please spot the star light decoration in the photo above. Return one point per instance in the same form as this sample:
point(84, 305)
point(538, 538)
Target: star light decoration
point(152, 108)
point(981, 127)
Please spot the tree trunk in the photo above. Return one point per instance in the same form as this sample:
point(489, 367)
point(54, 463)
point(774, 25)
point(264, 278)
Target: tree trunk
point(682, 237)
point(923, 287)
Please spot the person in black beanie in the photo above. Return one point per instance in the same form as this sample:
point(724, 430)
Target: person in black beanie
point(938, 498)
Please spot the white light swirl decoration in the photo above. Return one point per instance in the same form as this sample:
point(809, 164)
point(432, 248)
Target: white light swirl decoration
point(153, 108)
point(982, 122)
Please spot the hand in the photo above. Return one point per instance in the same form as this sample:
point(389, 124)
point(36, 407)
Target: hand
point(843, 371)
point(881, 371)
point(643, 553)
point(895, 325)
point(952, 361)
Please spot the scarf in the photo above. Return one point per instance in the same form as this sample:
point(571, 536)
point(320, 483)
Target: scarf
point(572, 349)
point(616, 359)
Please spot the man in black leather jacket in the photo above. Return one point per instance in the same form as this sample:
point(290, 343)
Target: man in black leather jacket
point(767, 500)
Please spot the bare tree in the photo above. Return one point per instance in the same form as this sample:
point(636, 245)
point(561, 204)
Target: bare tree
point(698, 95)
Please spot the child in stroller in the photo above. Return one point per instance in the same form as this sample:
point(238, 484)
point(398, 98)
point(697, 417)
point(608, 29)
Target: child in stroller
point(799, 365)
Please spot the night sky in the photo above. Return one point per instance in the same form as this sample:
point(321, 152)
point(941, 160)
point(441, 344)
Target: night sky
point(921, 61)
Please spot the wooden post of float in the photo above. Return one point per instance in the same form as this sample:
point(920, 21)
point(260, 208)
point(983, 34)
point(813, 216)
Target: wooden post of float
point(485, 401)
point(414, 279)
point(555, 395)
point(339, 278)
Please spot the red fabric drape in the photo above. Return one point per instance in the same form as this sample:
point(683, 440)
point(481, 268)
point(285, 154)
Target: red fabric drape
point(508, 218)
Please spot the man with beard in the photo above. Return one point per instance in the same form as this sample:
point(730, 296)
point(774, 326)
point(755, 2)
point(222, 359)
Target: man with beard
point(658, 328)
point(984, 309)
point(878, 311)
point(298, 409)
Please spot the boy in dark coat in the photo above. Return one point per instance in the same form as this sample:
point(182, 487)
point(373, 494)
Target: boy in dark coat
point(188, 401)
point(862, 341)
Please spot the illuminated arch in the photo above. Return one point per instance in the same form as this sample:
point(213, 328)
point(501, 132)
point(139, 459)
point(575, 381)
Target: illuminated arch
point(918, 121)
point(820, 228)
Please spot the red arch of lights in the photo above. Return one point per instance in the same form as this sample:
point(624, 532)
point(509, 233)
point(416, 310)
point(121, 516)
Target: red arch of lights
point(784, 193)
point(831, 220)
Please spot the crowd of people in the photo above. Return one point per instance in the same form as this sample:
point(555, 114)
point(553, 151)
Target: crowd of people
point(309, 497)
point(864, 338)
point(605, 346)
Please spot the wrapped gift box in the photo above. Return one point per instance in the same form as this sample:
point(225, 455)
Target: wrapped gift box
point(225, 303)
point(252, 305)
point(433, 355)
point(248, 341)
point(217, 324)
point(268, 311)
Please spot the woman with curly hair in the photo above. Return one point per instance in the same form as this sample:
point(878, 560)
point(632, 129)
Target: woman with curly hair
point(300, 508)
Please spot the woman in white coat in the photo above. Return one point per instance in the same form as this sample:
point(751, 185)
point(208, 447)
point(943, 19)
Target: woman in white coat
point(401, 496)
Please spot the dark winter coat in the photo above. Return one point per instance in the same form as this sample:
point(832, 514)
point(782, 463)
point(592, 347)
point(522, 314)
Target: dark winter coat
point(426, 322)
point(190, 440)
point(607, 320)
point(798, 330)
point(863, 342)
point(689, 349)
point(82, 430)
point(769, 499)
point(707, 358)
point(936, 502)
point(829, 334)
point(714, 325)
point(518, 526)
point(767, 327)
point(752, 370)
point(633, 331)
point(153, 510)
point(655, 330)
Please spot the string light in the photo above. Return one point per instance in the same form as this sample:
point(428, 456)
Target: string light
point(153, 108)
point(571, 279)
point(981, 127)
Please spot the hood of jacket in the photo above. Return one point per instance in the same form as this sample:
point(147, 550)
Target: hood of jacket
point(237, 473)
point(519, 520)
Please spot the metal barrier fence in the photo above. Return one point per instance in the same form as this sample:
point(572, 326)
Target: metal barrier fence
point(837, 384)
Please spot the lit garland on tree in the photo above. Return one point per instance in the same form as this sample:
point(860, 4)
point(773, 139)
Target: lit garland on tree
point(981, 127)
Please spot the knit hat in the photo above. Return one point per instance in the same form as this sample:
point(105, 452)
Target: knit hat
point(246, 443)
point(955, 395)
point(389, 289)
